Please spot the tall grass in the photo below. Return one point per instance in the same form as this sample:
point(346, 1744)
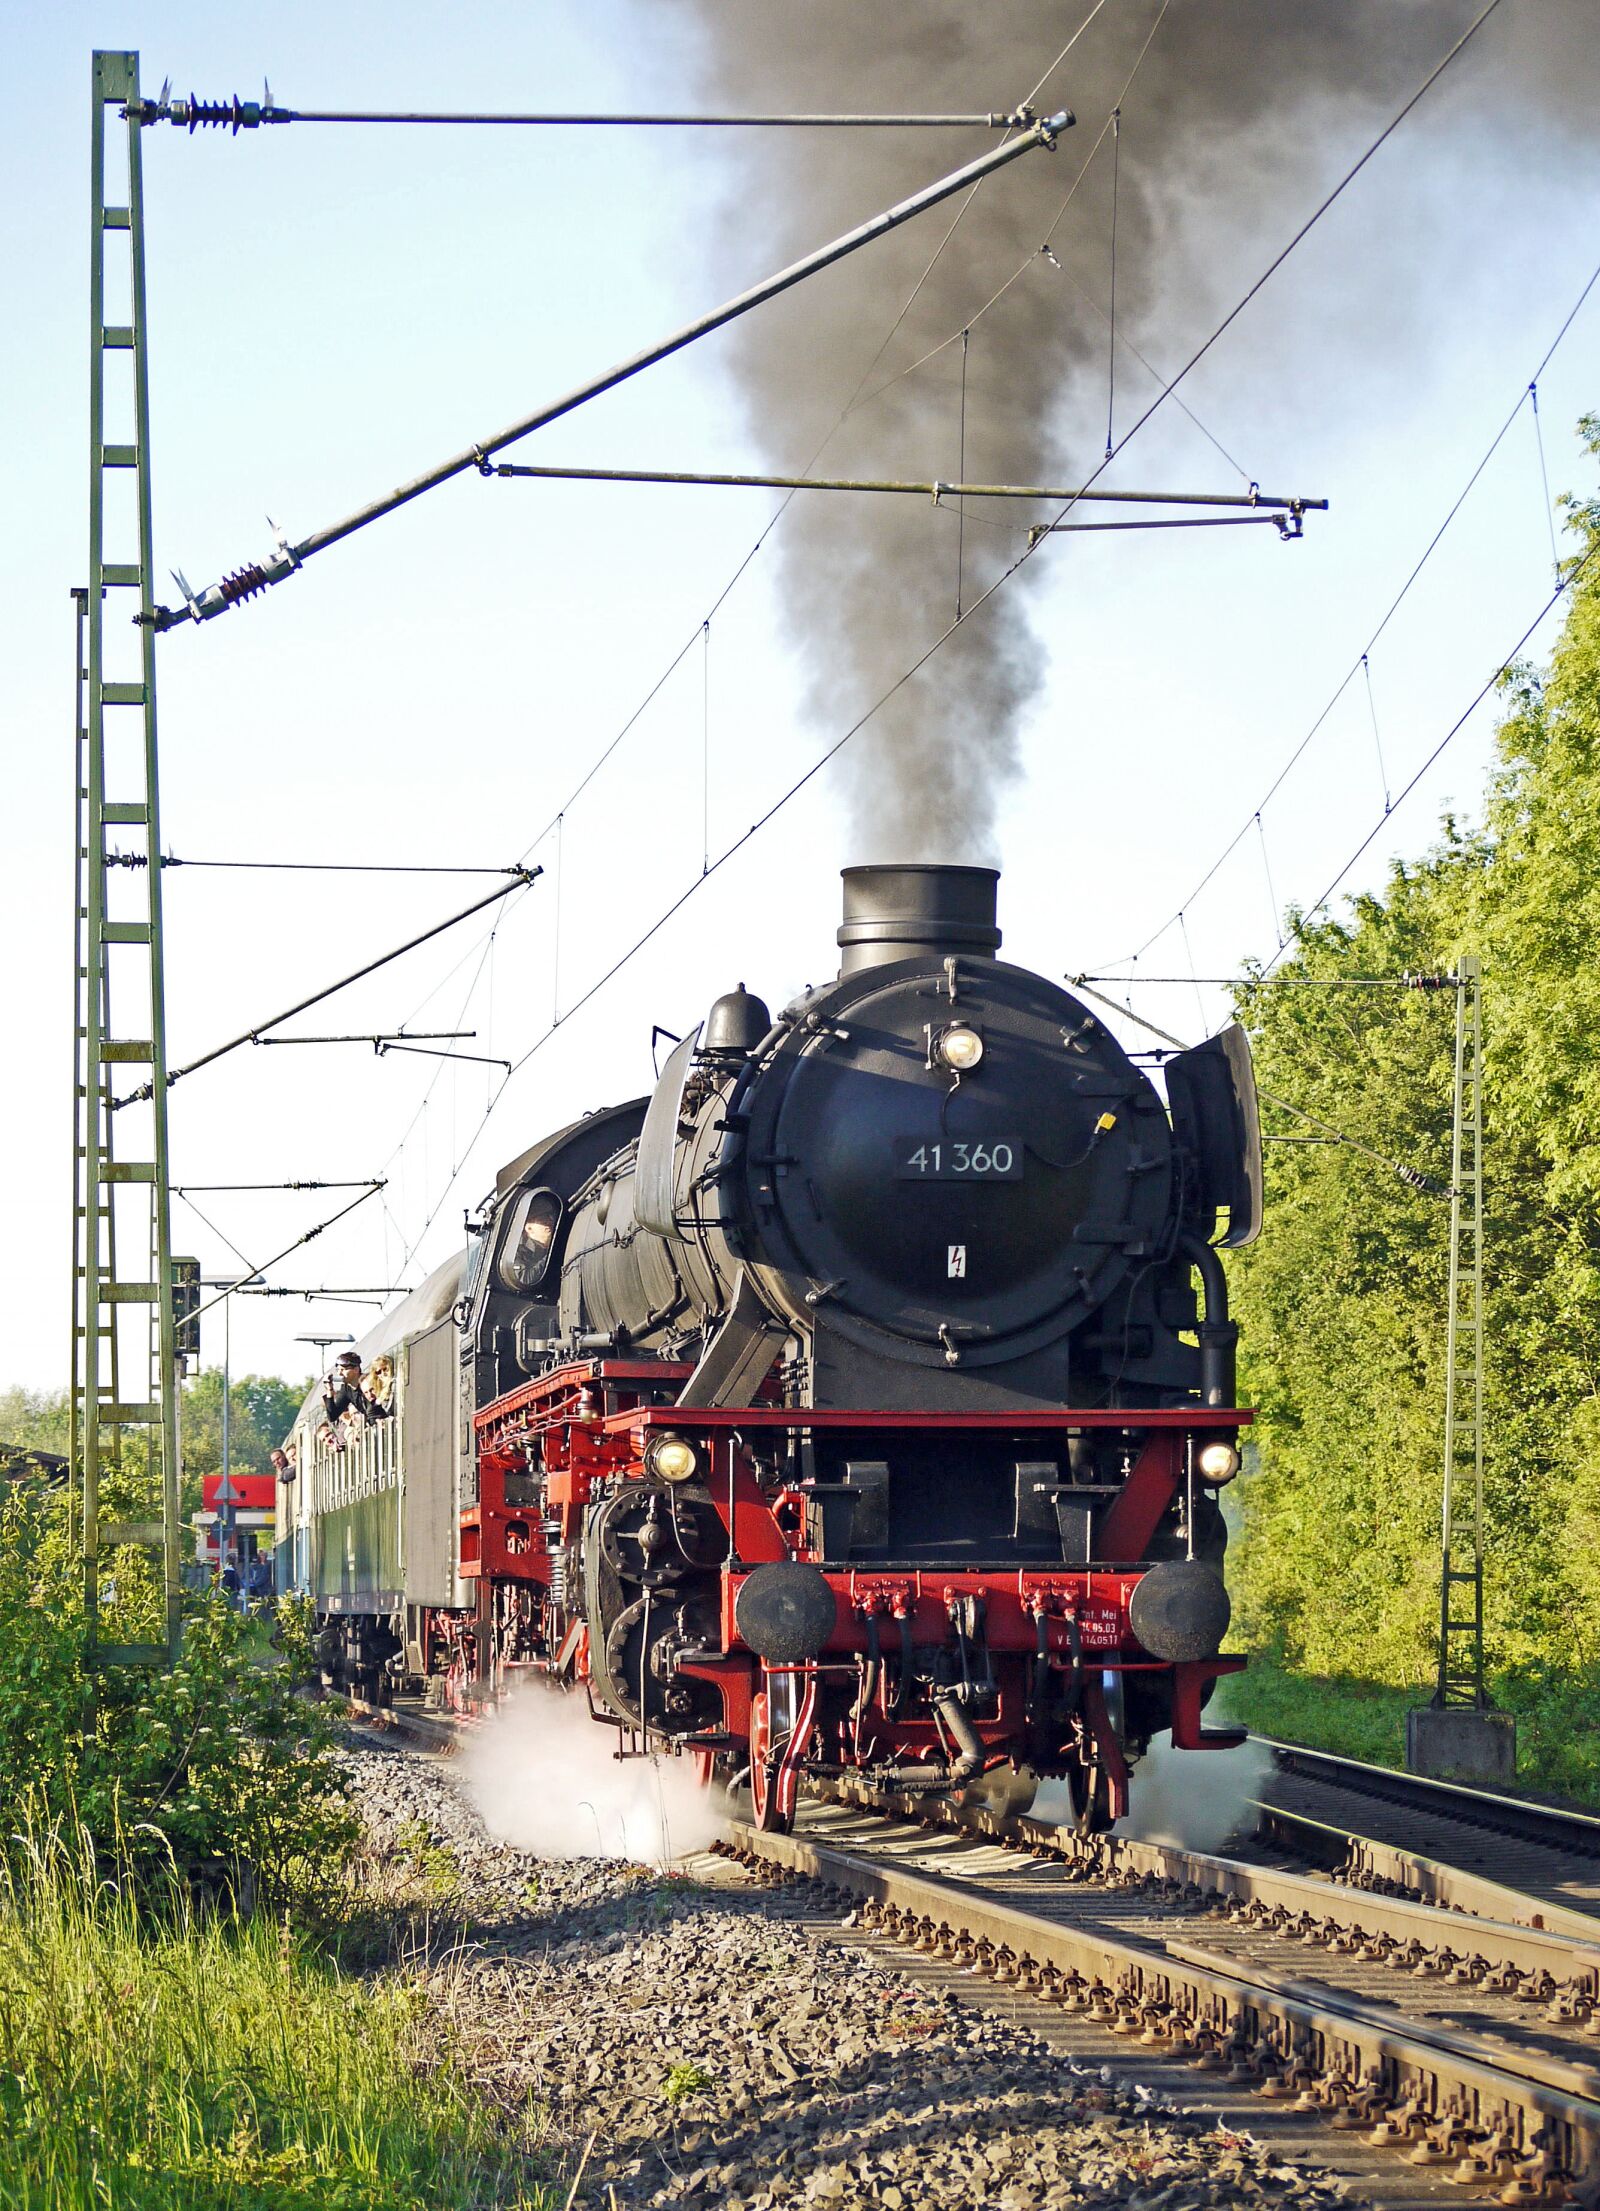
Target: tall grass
point(154, 2057)
point(1557, 1715)
point(1350, 1717)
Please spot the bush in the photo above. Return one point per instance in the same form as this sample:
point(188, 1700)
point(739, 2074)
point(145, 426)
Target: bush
point(218, 1766)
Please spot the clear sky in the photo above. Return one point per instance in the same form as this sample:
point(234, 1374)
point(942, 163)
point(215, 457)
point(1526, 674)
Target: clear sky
point(332, 311)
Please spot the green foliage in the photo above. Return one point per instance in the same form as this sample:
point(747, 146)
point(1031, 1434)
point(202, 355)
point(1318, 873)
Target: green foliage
point(1343, 1300)
point(432, 1862)
point(685, 2079)
point(35, 1420)
point(1338, 1712)
point(261, 1411)
point(154, 2060)
point(218, 1764)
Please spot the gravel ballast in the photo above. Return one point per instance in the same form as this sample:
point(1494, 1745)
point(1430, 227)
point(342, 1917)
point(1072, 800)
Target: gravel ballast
point(731, 2045)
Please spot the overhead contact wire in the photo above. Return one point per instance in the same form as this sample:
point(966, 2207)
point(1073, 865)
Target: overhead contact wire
point(1544, 479)
point(1111, 342)
point(1372, 709)
point(1390, 612)
point(1448, 738)
point(278, 1257)
point(1272, 895)
point(961, 504)
point(739, 572)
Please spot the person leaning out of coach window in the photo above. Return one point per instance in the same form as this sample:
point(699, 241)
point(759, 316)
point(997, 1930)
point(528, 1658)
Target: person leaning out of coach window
point(342, 1392)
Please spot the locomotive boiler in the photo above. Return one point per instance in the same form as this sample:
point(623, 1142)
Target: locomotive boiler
point(857, 1402)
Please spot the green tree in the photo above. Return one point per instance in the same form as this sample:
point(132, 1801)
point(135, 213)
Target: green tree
point(1343, 1300)
point(34, 1420)
point(261, 1411)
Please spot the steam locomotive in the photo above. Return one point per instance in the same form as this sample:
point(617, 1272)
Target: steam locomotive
point(844, 1406)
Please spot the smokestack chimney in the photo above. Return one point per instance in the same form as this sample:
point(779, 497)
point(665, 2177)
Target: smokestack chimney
point(897, 913)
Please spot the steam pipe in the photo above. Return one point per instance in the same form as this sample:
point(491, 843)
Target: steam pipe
point(915, 1780)
point(202, 606)
point(1219, 1336)
point(970, 1764)
point(871, 1675)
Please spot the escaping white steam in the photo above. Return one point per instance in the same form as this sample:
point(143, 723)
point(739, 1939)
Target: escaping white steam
point(1194, 1798)
point(543, 1776)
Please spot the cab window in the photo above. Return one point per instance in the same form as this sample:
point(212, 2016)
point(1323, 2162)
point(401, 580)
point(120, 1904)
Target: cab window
point(529, 1241)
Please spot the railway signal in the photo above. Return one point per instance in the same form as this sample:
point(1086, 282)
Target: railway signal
point(186, 1309)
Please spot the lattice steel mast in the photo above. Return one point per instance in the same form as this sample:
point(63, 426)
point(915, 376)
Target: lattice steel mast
point(122, 1325)
point(1461, 1561)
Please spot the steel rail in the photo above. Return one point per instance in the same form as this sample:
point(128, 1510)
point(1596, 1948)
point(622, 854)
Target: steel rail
point(1506, 1927)
point(1453, 1844)
point(922, 488)
point(233, 590)
point(1368, 1863)
point(1507, 2111)
point(1563, 1828)
point(1349, 2052)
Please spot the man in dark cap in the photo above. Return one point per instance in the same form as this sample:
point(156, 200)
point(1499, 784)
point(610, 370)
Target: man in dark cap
point(342, 1391)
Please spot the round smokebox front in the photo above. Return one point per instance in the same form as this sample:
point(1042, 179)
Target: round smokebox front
point(992, 1203)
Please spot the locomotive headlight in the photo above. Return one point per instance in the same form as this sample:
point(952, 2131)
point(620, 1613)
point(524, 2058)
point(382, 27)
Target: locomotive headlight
point(672, 1458)
point(1217, 1461)
point(960, 1048)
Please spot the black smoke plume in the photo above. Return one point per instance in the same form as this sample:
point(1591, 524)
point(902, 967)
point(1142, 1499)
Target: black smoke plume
point(1239, 114)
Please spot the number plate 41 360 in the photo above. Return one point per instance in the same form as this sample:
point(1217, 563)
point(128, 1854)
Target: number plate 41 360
point(970, 1159)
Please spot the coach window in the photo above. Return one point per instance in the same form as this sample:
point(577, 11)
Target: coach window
point(530, 1241)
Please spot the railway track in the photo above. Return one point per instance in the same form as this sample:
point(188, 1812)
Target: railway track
point(1427, 2031)
point(1469, 1849)
point(1426, 2056)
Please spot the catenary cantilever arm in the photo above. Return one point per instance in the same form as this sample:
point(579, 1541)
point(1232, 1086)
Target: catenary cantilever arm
point(525, 877)
point(202, 606)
